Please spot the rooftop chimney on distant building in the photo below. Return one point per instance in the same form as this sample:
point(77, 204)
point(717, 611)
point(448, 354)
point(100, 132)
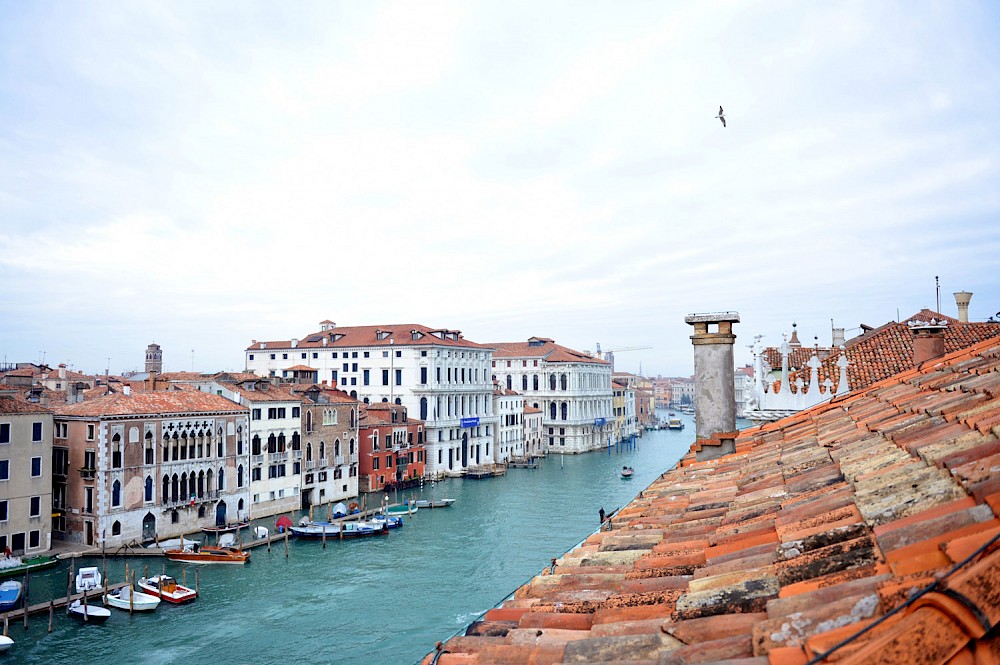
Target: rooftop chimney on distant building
point(715, 393)
point(62, 371)
point(154, 358)
point(838, 338)
point(928, 339)
point(962, 299)
point(794, 341)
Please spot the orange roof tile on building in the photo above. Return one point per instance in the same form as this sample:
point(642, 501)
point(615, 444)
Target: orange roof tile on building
point(11, 404)
point(149, 403)
point(272, 393)
point(542, 348)
point(821, 526)
point(400, 334)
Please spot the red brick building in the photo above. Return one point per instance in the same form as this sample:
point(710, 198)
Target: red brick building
point(392, 448)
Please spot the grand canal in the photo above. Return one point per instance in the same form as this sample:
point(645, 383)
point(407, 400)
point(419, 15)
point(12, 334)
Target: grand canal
point(379, 600)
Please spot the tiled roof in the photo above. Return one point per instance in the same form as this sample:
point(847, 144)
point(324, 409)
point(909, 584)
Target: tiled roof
point(815, 527)
point(888, 350)
point(399, 334)
point(182, 376)
point(547, 350)
point(24, 372)
point(150, 403)
point(10, 405)
point(531, 409)
point(300, 368)
point(279, 393)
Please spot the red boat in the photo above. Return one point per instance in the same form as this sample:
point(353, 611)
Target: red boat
point(166, 588)
point(196, 553)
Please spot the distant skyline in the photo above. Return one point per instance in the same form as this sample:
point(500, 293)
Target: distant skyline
point(203, 174)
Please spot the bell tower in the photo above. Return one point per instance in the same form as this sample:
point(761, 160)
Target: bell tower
point(154, 359)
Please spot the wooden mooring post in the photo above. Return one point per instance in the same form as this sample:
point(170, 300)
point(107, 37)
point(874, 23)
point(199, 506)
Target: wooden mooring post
point(52, 611)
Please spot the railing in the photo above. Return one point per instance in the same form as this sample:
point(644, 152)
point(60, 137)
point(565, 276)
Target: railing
point(256, 459)
point(88, 474)
point(277, 457)
point(311, 464)
point(354, 458)
point(322, 462)
point(296, 455)
point(338, 460)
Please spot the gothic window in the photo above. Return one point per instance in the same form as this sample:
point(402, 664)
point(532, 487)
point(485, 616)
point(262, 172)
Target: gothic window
point(116, 493)
point(552, 381)
point(565, 410)
point(563, 382)
point(552, 411)
point(148, 493)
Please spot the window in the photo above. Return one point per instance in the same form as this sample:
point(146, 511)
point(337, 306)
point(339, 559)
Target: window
point(346, 367)
point(91, 432)
point(4, 469)
point(36, 431)
point(88, 501)
point(4, 432)
point(251, 356)
point(34, 539)
point(423, 375)
point(365, 377)
point(272, 356)
point(148, 494)
point(385, 377)
point(375, 463)
point(255, 414)
point(36, 467)
point(3, 511)
point(365, 354)
point(284, 356)
point(303, 356)
point(295, 412)
point(116, 493)
point(315, 355)
point(35, 508)
point(399, 377)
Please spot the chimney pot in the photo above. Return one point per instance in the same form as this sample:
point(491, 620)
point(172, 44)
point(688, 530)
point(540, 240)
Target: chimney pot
point(928, 339)
point(962, 299)
point(715, 394)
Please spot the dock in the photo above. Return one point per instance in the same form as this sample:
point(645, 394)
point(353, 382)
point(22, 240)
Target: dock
point(488, 471)
point(57, 603)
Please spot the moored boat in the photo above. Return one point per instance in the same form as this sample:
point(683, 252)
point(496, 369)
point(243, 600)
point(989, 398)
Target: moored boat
point(232, 527)
point(88, 613)
point(627, 471)
point(128, 599)
point(10, 595)
point(17, 566)
point(433, 503)
point(88, 579)
point(166, 588)
point(5, 643)
point(406, 508)
point(319, 530)
point(675, 423)
point(208, 554)
point(378, 519)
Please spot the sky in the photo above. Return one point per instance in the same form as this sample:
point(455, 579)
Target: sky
point(201, 175)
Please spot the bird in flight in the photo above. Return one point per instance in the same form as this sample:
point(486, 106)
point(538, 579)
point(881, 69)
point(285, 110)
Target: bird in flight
point(722, 117)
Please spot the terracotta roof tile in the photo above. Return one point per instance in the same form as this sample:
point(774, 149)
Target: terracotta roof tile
point(817, 525)
point(400, 334)
point(151, 403)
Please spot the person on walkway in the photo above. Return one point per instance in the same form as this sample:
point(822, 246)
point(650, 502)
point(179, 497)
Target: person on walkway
point(601, 513)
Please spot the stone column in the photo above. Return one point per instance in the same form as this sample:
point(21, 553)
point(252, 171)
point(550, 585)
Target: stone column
point(715, 395)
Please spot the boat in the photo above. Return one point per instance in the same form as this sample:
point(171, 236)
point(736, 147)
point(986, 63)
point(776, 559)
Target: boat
point(627, 471)
point(5, 643)
point(405, 508)
point(166, 588)
point(128, 599)
point(232, 527)
point(378, 519)
point(433, 503)
point(17, 566)
point(88, 579)
point(172, 543)
point(88, 613)
point(318, 530)
point(10, 595)
point(208, 554)
point(675, 423)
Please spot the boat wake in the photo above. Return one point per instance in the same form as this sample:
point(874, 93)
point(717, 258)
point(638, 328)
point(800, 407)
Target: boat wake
point(466, 619)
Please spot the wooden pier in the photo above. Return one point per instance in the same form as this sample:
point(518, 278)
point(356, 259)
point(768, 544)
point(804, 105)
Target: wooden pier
point(489, 471)
point(57, 603)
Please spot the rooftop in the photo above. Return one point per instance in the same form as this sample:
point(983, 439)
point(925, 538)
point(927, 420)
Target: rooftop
point(543, 349)
point(818, 525)
point(399, 334)
point(150, 403)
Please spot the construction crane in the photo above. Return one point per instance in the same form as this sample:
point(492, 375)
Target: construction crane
point(609, 354)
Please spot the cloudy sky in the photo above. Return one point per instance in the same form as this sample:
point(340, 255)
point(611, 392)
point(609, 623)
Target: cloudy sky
point(200, 174)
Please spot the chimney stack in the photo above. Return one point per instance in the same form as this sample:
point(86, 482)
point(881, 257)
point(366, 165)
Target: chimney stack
point(62, 371)
point(928, 339)
point(838, 338)
point(715, 394)
point(962, 299)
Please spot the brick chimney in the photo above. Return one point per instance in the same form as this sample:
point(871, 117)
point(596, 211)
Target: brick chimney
point(928, 339)
point(714, 391)
point(962, 299)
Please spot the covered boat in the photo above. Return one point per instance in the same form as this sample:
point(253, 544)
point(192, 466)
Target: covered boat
point(166, 588)
point(209, 554)
point(10, 595)
point(317, 530)
point(675, 423)
point(433, 503)
point(17, 566)
point(128, 599)
point(378, 519)
point(405, 508)
point(88, 613)
point(88, 579)
point(232, 527)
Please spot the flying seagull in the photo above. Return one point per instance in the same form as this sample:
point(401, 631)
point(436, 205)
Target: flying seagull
point(722, 117)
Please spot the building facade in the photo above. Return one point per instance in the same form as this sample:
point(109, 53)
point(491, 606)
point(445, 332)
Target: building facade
point(572, 389)
point(392, 448)
point(156, 465)
point(25, 475)
point(509, 407)
point(442, 378)
point(534, 442)
point(329, 458)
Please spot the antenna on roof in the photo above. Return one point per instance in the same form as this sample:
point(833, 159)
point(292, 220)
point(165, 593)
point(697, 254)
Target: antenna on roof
point(937, 288)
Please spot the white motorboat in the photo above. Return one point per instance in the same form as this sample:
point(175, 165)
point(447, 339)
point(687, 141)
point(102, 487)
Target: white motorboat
point(5, 643)
point(88, 613)
point(126, 598)
point(89, 579)
point(433, 503)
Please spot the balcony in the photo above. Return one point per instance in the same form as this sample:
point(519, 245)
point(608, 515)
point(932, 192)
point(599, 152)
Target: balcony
point(354, 458)
point(88, 474)
point(257, 459)
point(311, 464)
point(322, 462)
point(296, 455)
point(277, 457)
point(339, 460)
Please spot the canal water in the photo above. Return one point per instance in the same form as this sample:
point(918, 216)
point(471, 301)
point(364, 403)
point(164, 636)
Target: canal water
point(375, 600)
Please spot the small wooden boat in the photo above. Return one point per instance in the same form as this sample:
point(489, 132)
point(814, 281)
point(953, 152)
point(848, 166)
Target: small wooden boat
point(627, 471)
point(337, 530)
point(232, 527)
point(5, 643)
point(88, 613)
point(208, 554)
point(18, 566)
point(166, 588)
point(433, 503)
point(406, 508)
point(88, 579)
point(10, 595)
point(126, 598)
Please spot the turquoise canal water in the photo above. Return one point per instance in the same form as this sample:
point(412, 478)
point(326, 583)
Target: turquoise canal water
point(375, 600)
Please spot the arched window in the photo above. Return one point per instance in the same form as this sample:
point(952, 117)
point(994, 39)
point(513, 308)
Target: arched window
point(272, 443)
point(148, 493)
point(309, 452)
point(322, 450)
point(354, 394)
point(552, 411)
point(309, 421)
point(184, 487)
point(353, 416)
point(281, 442)
point(552, 381)
point(296, 441)
point(201, 484)
point(524, 382)
point(208, 481)
point(239, 475)
point(116, 451)
point(563, 382)
point(510, 382)
point(150, 450)
point(222, 479)
point(116, 528)
point(534, 382)
point(423, 408)
point(166, 488)
point(375, 444)
point(399, 400)
point(116, 493)
point(174, 488)
point(336, 447)
point(255, 445)
point(565, 410)
point(352, 447)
